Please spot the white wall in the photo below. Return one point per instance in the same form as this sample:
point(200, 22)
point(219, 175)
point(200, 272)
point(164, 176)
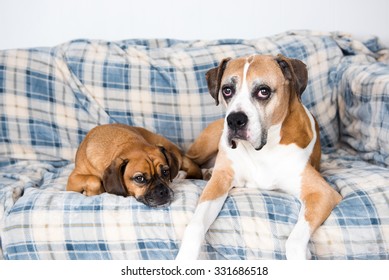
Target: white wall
point(30, 23)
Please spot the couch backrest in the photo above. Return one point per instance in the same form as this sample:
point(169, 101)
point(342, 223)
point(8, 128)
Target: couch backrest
point(51, 97)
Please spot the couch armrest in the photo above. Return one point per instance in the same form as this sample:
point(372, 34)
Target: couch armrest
point(363, 99)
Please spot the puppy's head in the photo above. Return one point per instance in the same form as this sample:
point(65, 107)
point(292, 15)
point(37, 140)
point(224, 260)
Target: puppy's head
point(144, 174)
point(257, 91)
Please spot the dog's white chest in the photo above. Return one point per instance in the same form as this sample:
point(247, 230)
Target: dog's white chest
point(273, 167)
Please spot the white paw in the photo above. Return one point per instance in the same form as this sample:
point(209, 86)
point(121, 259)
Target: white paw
point(191, 242)
point(186, 255)
point(189, 250)
point(296, 251)
point(181, 175)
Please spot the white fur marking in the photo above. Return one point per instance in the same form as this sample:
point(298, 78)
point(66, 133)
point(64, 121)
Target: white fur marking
point(266, 170)
point(194, 235)
point(297, 244)
point(242, 102)
point(245, 69)
point(313, 127)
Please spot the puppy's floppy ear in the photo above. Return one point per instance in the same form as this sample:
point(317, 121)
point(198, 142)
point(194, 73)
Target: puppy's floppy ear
point(214, 77)
point(295, 71)
point(113, 181)
point(172, 161)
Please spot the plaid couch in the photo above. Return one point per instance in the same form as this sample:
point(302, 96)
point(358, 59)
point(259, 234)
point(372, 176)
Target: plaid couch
point(51, 97)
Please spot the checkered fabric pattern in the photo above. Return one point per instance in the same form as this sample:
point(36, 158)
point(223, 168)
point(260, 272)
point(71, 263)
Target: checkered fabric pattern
point(364, 109)
point(51, 97)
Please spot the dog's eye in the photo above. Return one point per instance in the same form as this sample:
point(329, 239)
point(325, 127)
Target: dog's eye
point(140, 179)
point(228, 91)
point(263, 93)
point(165, 172)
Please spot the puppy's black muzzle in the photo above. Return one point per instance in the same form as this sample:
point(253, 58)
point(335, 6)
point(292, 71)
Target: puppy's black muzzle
point(161, 191)
point(161, 195)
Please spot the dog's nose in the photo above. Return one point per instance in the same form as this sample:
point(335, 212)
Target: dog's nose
point(237, 120)
point(162, 191)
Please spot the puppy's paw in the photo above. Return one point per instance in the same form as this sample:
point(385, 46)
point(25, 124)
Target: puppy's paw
point(207, 173)
point(93, 186)
point(181, 175)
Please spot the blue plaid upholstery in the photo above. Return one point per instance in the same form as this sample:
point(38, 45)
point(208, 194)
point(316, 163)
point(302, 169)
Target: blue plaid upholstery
point(363, 90)
point(51, 97)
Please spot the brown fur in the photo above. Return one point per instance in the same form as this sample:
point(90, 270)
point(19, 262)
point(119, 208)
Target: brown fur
point(208, 142)
point(318, 196)
point(296, 119)
point(221, 179)
point(316, 153)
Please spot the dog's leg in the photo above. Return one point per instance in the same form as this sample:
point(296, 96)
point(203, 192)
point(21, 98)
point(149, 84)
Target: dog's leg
point(318, 199)
point(192, 170)
point(206, 145)
point(210, 204)
point(86, 184)
point(204, 150)
point(205, 214)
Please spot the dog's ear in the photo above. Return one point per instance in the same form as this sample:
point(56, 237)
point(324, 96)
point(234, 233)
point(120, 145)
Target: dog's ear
point(172, 161)
point(214, 77)
point(295, 71)
point(113, 180)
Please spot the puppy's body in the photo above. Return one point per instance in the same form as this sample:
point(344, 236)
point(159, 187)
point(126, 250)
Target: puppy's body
point(268, 140)
point(126, 160)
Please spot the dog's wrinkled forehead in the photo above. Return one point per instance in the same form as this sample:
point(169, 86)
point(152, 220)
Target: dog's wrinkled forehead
point(256, 68)
point(146, 161)
point(234, 70)
point(254, 72)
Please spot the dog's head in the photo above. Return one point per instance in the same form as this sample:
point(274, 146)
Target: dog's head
point(257, 91)
point(144, 174)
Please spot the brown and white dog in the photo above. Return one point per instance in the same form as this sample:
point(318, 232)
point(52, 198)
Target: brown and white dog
point(129, 161)
point(268, 140)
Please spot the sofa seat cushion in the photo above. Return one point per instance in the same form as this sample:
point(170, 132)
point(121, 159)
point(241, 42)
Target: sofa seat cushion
point(48, 223)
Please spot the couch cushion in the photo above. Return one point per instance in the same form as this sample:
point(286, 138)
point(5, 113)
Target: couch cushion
point(48, 223)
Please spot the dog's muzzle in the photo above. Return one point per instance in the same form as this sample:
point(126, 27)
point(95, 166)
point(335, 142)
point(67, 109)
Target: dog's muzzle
point(237, 123)
point(237, 130)
point(161, 195)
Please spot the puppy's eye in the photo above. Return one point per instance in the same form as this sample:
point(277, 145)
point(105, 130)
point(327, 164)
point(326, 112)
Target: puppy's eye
point(228, 91)
point(140, 179)
point(263, 93)
point(165, 172)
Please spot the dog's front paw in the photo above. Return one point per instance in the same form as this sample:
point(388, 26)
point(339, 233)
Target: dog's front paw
point(186, 255)
point(191, 243)
point(93, 186)
point(295, 251)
